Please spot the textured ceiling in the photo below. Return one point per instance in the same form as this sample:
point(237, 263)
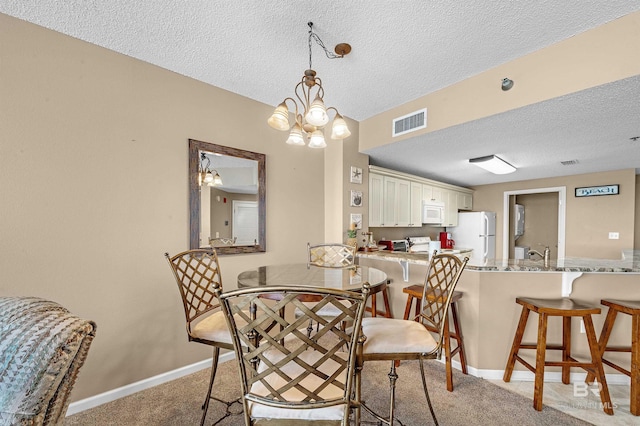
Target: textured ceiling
point(401, 50)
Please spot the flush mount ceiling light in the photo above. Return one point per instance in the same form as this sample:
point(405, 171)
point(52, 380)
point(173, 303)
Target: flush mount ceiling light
point(493, 164)
point(312, 115)
point(507, 84)
point(207, 176)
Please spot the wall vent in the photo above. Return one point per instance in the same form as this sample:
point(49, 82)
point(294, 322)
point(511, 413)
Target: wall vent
point(569, 162)
point(409, 123)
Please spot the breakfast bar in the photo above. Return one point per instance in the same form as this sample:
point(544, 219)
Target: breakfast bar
point(488, 312)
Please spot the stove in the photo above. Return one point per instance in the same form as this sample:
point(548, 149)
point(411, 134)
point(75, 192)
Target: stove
point(423, 245)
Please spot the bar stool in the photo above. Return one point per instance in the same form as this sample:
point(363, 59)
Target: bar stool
point(385, 297)
point(414, 292)
point(630, 308)
point(565, 308)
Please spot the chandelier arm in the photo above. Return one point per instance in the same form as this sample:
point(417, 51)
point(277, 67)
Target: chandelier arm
point(304, 102)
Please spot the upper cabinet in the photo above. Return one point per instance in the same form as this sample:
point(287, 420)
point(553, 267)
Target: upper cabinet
point(395, 199)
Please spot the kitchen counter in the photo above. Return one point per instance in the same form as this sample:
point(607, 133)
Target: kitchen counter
point(489, 314)
point(629, 262)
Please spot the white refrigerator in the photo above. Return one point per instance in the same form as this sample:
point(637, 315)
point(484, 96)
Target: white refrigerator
point(476, 231)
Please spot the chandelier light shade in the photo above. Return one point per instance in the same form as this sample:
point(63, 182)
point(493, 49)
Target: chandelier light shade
point(207, 176)
point(310, 112)
point(295, 137)
point(493, 164)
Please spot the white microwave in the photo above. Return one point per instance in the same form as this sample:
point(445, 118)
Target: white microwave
point(432, 212)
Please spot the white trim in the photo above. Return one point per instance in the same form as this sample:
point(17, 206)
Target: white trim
point(112, 395)
point(528, 376)
point(562, 202)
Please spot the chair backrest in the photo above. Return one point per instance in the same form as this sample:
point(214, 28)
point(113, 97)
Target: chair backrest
point(196, 272)
point(442, 277)
point(42, 347)
point(284, 372)
point(331, 255)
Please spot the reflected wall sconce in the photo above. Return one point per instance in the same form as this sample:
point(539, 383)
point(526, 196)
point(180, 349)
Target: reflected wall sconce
point(507, 84)
point(493, 164)
point(312, 115)
point(206, 175)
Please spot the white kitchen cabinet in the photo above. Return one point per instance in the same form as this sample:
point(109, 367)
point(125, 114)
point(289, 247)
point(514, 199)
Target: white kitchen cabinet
point(390, 201)
point(395, 199)
point(376, 200)
point(465, 201)
point(415, 214)
point(450, 199)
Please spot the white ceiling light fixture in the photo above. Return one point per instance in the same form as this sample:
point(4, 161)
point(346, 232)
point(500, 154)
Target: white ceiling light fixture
point(493, 164)
point(312, 116)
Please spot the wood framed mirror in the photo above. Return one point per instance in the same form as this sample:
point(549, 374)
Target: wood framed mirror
point(228, 212)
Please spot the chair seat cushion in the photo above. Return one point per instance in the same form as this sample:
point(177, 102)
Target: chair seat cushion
point(327, 311)
point(292, 369)
point(388, 335)
point(214, 328)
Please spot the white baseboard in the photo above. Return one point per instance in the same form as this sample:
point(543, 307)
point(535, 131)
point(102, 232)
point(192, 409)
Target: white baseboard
point(528, 376)
point(112, 395)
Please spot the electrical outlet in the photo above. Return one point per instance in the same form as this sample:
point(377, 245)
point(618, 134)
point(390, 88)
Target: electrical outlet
point(614, 235)
point(582, 329)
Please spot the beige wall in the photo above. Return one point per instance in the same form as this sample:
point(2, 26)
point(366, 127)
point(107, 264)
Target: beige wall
point(588, 219)
point(93, 159)
point(602, 55)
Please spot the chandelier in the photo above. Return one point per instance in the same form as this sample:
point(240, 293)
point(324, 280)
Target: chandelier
point(312, 115)
point(206, 175)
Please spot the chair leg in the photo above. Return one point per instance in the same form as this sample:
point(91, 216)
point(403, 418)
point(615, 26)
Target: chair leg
point(447, 354)
point(456, 325)
point(566, 348)
point(214, 368)
point(607, 327)
point(426, 393)
point(387, 306)
point(596, 360)
point(393, 377)
point(635, 365)
point(515, 347)
point(540, 359)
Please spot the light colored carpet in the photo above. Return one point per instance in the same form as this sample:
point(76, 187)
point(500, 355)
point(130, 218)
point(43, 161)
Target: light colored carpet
point(473, 402)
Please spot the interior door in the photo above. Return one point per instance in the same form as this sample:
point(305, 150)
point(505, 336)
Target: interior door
point(245, 222)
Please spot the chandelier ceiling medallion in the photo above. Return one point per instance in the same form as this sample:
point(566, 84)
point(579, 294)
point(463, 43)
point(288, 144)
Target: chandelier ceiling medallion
point(313, 115)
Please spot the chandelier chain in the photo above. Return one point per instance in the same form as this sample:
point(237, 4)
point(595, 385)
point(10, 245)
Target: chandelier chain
point(315, 37)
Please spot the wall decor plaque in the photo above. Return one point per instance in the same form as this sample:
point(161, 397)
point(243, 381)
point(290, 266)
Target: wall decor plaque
point(591, 191)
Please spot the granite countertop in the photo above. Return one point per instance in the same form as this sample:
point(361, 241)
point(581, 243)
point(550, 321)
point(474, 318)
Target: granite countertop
point(629, 262)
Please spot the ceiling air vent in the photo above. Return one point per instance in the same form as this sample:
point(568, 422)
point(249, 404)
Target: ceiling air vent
point(569, 162)
point(409, 123)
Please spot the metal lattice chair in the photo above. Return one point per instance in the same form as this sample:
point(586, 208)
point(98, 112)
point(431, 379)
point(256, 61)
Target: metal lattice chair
point(287, 377)
point(196, 273)
point(331, 255)
point(399, 339)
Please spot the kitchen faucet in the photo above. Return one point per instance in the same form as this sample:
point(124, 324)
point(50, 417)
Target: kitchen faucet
point(544, 256)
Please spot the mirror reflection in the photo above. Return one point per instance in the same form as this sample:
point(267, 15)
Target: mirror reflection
point(227, 198)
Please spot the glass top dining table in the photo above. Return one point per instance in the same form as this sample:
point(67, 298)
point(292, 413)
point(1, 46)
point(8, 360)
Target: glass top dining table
point(349, 278)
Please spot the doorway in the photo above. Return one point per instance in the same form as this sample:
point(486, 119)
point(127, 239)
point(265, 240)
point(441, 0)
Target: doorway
point(245, 222)
point(548, 199)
